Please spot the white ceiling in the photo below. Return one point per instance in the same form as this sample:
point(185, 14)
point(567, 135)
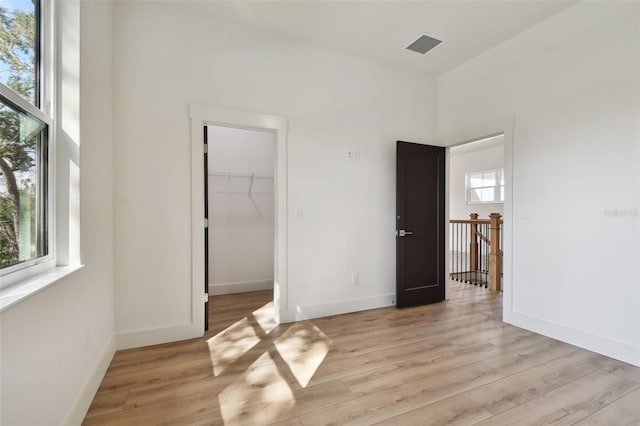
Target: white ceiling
point(382, 29)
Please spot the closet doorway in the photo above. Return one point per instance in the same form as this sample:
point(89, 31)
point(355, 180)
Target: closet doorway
point(240, 205)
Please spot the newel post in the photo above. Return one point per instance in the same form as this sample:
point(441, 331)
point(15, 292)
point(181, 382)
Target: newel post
point(473, 243)
point(495, 253)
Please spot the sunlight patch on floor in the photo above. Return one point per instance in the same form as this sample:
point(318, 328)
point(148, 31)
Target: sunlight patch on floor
point(259, 396)
point(270, 372)
point(264, 317)
point(229, 345)
point(303, 347)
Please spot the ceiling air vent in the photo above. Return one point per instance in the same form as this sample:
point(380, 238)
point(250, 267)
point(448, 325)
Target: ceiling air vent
point(423, 44)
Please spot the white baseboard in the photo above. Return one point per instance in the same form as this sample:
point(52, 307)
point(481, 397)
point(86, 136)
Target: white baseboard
point(602, 345)
point(300, 313)
point(240, 287)
point(82, 403)
point(156, 336)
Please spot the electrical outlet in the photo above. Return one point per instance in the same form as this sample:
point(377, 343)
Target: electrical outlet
point(355, 278)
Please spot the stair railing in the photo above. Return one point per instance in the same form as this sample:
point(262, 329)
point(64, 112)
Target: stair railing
point(476, 250)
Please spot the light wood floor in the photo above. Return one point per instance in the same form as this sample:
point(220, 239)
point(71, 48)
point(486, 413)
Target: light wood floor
point(449, 363)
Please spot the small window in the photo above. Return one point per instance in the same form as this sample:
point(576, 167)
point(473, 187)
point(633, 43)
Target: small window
point(485, 186)
point(24, 144)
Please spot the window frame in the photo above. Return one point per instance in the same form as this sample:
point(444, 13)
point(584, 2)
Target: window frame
point(43, 111)
point(497, 187)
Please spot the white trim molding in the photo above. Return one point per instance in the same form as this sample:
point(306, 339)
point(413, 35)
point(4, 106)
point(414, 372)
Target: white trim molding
point(159, 335)
point(602, 345)
point(82, 403)
point(301, 313)
point(200, 116)
point(240, 287)
point(474, 131)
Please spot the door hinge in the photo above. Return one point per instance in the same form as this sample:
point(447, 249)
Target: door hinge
point(206, 222)
point(205, 297)
point(206, 148)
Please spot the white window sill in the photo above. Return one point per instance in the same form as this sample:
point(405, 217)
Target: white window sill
point(16, 293)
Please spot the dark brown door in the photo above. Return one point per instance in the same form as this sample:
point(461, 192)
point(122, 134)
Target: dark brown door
point(206, 226)
point(420, 224)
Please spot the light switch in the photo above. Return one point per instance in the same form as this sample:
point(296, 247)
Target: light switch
point(299, 213)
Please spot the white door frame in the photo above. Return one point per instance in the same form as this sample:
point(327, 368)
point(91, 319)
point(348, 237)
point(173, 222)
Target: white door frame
point(200, 116)
point(468, 132)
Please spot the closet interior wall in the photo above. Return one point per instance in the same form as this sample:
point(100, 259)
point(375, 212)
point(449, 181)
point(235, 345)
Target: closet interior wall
point(241, 210)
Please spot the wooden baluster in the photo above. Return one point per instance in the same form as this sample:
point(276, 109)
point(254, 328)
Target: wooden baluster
point(473, 243)
point(495, 253)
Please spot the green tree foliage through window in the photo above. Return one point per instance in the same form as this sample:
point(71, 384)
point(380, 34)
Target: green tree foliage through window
point(21, 138)
point(18, 49)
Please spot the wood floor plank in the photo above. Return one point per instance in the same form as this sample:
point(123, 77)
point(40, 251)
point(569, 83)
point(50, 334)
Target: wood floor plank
point(354, 344)
point(242, 403)
point(625, 370)
point(529, 356)
point(472, 350)
point(149, 357)
point(454, 411)
point(347, 369)
point(108, 402)
point(519, 388)
point(624, 411)
point(395, 366)
point(455, 329)
point(143, 394)
point(400, 398)
point(567, 404)
point(288, 422)
point(417, 368)
point(173, 374)
point(174, 412)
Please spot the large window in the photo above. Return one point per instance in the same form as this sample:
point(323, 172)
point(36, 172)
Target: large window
point(485, 187)
point(24, 137)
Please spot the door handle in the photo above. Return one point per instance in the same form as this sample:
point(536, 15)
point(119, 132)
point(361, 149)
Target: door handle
point(402, 233)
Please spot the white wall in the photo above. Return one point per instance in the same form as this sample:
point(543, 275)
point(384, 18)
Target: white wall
point(572, 85)
point(241, 239)
point(466, 162)
point(462, 160)
point(56, 345)
point(334, 102)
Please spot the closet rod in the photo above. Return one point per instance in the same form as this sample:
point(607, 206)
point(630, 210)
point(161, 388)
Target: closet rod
point(240, 175)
